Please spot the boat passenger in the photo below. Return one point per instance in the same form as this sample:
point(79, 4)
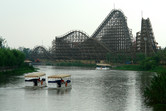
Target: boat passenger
point(35, 82)
point(39, 79)
point(59, 83)
point(62, 81)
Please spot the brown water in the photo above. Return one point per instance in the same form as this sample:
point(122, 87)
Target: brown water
point(92, 90)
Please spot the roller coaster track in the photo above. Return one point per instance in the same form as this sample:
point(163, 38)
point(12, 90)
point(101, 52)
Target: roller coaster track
point(112, 36)
point(114, 33)
point(40, 52)
point(149, 34)
point(66, 46)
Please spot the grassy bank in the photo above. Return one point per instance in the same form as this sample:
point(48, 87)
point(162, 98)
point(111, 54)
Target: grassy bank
point(128, 67)
point(75, 63)
point(139, 68)
point(19, 71)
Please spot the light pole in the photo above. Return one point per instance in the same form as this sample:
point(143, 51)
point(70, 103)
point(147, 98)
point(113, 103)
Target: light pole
point(145, 39)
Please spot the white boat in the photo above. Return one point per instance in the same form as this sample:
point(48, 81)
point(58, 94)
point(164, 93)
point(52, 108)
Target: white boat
point(59, 81)
point(36, 79)
point(103, 66)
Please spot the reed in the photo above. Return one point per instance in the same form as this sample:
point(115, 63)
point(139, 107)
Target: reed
point(155, 93)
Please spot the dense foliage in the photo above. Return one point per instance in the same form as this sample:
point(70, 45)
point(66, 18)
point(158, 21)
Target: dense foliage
point(162, 55)
point(2, 42)
point(11, 57)
point(26, 51)
point(150, 63)
point(156, 92)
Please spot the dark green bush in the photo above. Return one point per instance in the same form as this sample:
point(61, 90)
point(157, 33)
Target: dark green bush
point(155, 93)
point(11, 57)
point(149, 63)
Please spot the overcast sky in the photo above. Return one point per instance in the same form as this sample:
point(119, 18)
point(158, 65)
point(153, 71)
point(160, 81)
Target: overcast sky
point(36, 22)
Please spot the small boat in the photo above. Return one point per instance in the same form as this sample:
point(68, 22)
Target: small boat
point(103, 66)
point(59, 81)
point(36, 79)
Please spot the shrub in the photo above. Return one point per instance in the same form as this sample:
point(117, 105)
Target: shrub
point(155, 93)
point(149, 63)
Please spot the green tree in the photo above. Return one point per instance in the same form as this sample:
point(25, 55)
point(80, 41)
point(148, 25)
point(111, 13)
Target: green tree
point(19, 56)
point(150, 63)
point(26, 51)
point(139, 57)
point(162, 55)
point(108, 57)
point(2, 57)
point(2, 42)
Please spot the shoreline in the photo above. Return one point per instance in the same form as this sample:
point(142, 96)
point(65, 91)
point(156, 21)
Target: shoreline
point(18, 70)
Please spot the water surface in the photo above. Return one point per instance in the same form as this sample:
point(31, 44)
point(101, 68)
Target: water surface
point(92, 90)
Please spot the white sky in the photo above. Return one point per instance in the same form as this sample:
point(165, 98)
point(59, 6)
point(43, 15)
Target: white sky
point(35, 22)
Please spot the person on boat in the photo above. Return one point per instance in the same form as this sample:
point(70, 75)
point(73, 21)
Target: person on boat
point(62, 81)
point(35, 82)
point(59, 83)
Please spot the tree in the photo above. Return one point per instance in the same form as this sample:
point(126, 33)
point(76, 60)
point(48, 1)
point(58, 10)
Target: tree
point(26, 51)
point(108, 57)
point(139, 57)
point(2, 42)
point(162, 55)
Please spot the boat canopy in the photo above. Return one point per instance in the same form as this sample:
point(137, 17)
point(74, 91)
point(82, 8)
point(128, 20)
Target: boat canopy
point(103, 64)
point(36, 74)
point(59, 76)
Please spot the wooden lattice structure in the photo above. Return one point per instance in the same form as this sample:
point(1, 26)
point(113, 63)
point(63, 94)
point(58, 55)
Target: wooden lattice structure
point(112, 39)
point(112, 36)
point(66, 47)
point(40, 52)
point(145, 40)
point(114, 33)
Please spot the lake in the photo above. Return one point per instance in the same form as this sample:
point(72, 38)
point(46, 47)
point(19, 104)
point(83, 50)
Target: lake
point(92, 90)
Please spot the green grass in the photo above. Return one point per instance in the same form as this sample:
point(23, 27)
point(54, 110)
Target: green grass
point(19, 71)
point(138, 68)
point(128, 67)
point(75, 64)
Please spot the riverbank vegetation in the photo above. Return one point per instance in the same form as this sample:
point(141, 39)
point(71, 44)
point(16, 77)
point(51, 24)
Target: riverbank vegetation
point(11, 57)
point(155, 93)
point(19, 70)
point(12, 60)
point(76, 63)
point(148, 64)
point(155, 63)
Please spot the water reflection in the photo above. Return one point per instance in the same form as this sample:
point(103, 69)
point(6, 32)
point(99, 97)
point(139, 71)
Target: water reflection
point(52, 91)
point(92, 90)
point(10, 80)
